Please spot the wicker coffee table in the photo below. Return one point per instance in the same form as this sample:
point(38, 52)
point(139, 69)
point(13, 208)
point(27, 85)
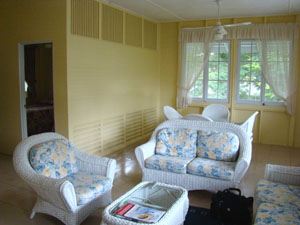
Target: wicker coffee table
point(169, 198)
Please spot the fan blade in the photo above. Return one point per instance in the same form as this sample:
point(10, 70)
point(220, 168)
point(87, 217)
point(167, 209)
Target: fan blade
point(237, 24)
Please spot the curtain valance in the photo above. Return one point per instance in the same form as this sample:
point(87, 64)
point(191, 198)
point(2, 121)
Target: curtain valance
point(280, 31)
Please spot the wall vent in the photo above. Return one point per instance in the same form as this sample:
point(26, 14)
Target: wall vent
point(134, 125)
point(133, 30)
point(113, 132)
point(87, 137)
point(150, 35)
point(112, 24)
point(149, 120)
point(85, 18)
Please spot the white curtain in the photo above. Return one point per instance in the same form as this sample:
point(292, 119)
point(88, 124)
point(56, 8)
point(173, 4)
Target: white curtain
point(277, 49)
point(194, 45)
point(272, 39)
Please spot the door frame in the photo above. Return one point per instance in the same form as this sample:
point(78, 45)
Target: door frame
point(22, 83)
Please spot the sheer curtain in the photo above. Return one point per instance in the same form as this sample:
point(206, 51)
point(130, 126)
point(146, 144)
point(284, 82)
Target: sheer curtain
point(277, 49)
point(194, 45)
point(278, 69)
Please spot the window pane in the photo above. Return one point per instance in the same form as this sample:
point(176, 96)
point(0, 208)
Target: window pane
point(245, 71)
point(254, 52)
point(213, 71)
point(255, 71)
point(214, 52)
point(222, 92)
point(245, 48)
point(255, 91)
point(270, 96)
point(224, 52)
point(212, 89)
point(223, 70)
point(244, 89)
point(197, 89)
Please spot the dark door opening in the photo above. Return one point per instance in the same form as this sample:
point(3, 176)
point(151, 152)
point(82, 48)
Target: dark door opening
point(39, 88)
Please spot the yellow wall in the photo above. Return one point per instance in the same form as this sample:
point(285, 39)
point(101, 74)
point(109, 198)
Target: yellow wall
point(273, 125)
point(27, 21)
point(168, 65)
point(43, 73)
point(113, 91)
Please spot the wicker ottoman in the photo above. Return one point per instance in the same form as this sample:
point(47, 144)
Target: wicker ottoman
point(172, 199)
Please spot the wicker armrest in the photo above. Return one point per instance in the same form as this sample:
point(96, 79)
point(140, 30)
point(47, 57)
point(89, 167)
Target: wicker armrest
point(61, 191)
point(96, 164)
point(144, 151)
point(283, 174)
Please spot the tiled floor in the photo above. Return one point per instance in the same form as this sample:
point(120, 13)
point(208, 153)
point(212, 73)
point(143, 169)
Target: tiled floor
point(17, 198)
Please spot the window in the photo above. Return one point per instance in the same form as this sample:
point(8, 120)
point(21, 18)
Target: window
point(213, 84)
point(252, 88)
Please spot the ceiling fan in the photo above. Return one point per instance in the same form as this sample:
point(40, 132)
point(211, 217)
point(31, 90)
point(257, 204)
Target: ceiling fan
point(221, 31)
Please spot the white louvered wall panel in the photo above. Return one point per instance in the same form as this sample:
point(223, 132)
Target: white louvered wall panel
point(87, 137)
point(149, 120)
point(134, 125)
point(113, 132)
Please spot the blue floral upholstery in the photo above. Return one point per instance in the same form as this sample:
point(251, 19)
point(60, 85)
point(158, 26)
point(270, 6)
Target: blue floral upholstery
point(167, 163)
point(280, 194)
point(88, 186)
point(211, 168)
point(176, 142)
point(55, 159)
point(218, 146)
point(272, 214)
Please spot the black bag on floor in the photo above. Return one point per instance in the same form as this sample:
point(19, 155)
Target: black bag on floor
point(231, 208)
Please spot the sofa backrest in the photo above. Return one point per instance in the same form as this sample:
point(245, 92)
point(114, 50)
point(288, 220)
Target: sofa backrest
point(55, 158)
point(220, 146)
point(176, 142)
point(245, 149)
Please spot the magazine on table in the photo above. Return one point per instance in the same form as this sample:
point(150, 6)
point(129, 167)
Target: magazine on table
point(139, 213)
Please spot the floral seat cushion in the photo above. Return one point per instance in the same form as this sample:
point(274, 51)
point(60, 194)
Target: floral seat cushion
point(279, 194)
point(211, 168)
point(176, 142)
point(168, 163)
point(88, 186)
point(272, 214)
point(55, 159)
point(221, 146)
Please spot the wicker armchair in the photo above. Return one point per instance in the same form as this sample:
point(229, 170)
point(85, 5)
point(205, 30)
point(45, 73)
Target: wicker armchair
point(217, 112)
point(191, 181)
point(277, 196)
point(59, 197)
point(171, 113)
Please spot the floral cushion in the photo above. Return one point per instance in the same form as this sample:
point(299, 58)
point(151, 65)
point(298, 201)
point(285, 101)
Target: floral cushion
point(55, 159)
point(272, 214)
point(167, 163)
point(88, 186)
point(279, 194)
point(218, 146)
point(176, 142)
point(211, 168)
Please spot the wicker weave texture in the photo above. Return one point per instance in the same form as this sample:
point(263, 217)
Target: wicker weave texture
point(56, 197)
point(175, 215)
point(283, 174)
point(194, 182)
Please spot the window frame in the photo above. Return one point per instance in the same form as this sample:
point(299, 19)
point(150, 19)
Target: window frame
point(205, 77)
point(263, 83)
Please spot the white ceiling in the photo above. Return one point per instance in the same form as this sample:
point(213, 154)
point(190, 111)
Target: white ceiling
point(181, 10)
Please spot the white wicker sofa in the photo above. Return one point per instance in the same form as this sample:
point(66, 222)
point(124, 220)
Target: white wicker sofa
point(278, 196)
point(69, 183)
point(182, 176)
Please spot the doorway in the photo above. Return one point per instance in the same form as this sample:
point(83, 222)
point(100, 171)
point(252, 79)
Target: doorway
point(36, 88)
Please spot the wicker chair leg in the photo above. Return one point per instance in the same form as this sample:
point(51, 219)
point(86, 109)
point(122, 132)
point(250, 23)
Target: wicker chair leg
point(32, 214)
